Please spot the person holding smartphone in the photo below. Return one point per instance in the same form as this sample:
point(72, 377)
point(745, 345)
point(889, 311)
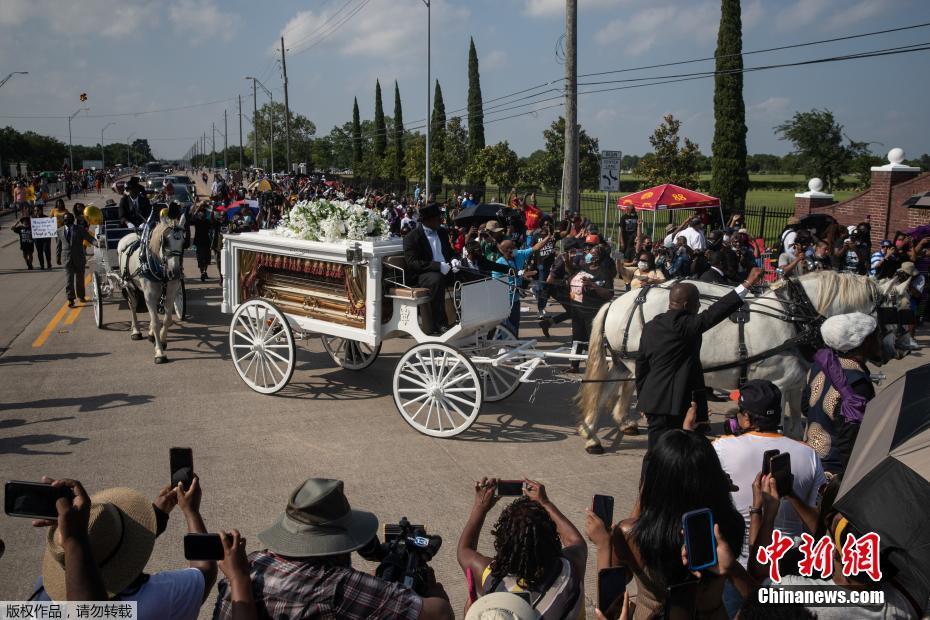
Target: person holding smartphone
point(537, 550)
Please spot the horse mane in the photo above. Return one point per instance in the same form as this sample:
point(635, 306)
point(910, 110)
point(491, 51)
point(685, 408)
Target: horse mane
point(157, 238)
point(849, 290)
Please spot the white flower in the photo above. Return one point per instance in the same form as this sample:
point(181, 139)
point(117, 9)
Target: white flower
point(331, 220)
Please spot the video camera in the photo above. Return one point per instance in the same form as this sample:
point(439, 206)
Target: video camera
point(403, 556)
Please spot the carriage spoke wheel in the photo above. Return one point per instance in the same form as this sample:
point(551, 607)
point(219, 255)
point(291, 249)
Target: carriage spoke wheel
point(350, 354)
point(437, 389)
point(96, 290)
point(498, 382)
point(262, 346)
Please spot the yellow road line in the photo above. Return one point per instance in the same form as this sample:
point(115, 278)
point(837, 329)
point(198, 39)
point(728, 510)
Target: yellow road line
point(38, 342)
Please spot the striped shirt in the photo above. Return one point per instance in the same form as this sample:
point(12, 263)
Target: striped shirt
point(308, 589)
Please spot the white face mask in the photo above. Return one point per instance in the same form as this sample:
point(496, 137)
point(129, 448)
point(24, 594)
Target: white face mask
point(642, 265)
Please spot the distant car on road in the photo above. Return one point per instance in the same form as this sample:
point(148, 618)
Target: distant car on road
point(183, 180)
point(184, 198)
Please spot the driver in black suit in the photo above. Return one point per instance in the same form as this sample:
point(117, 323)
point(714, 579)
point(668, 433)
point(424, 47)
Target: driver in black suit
point(430, 260)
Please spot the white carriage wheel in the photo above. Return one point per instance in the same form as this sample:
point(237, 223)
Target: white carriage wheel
point(350, 354)
point(499, 382)
point(262, 346)
point(96, 291)
point(437, 389)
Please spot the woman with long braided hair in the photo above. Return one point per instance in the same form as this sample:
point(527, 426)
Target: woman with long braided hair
point(536, 550)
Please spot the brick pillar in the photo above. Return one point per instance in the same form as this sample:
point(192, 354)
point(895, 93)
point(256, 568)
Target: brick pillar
point(804, 204)
point(878, 200)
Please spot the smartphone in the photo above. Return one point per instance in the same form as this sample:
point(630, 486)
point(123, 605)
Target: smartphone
point(203, 547)
point(700, 543)
point(767, 461)
point(603, 507)
point(33, 500)
point(611, 584)
point(508, 488)
point(781, 470)
point(182, 466)
point(680, 600)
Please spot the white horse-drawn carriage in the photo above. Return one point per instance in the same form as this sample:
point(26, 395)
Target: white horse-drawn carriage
point(355, 295)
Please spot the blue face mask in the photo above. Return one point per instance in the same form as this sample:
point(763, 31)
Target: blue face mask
point(588, 258)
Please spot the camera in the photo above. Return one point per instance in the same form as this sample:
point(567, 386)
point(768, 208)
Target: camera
point(403, 556)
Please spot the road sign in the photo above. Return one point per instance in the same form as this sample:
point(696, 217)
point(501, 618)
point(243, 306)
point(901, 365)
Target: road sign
point(610, 171)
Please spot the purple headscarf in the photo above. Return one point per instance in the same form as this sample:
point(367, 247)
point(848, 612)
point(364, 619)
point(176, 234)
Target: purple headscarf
point(852, 405)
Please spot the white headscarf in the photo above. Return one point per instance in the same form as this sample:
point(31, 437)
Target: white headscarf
point(845, 332)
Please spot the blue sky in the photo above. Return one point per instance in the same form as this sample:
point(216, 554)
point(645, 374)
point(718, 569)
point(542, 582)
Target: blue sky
point(138, 55)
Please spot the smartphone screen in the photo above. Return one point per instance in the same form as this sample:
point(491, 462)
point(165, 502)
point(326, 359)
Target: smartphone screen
point(767, 461)
point(509, 488)
point(700, 543)
point(203, 547)
point(781, 470)
point(182, 466)
point(33, 500)
point(611, 584)
point(603, 507)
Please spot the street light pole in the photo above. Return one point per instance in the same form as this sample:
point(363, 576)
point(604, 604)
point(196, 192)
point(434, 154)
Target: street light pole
point(71, 146)
point(128, 150)
point(270, 115)
point(429, 112)
point(103, 157)
point(240, 134)
point(287, 109)
point(7, 78)
point(225, 143)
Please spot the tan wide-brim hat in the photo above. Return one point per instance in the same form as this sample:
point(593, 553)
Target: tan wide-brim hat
point(909, 269)
point(122, 535)
point(501, 606)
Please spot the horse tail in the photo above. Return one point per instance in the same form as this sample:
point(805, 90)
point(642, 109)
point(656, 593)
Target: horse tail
point(596, 368)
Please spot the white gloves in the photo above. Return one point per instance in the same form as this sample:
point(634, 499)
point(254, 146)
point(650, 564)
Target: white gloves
point(444, 267)
point(456, 265)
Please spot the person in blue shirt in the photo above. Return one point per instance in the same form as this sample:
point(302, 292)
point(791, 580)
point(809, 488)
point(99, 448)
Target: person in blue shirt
point(469, 201)
point(513, 262)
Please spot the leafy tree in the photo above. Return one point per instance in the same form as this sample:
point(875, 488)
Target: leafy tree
point(729, 177)
point(861, 162)
point(455, 152)
point(533, 169)
point(589, 165)
point(398, 168)
point(356, 137)
point(670, 163)
point(437, 137)
point(415, 168)
point(922, 162)
point(498, 163)
point(141, 151)
point(818, 143)
point(302, 132)
point(475, 107)
point(379, 139)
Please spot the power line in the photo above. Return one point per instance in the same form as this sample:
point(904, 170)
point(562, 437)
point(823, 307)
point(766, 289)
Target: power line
point(333, 29)
point(319, 28)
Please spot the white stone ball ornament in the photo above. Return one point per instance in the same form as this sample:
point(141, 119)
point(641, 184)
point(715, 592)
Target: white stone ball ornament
point(896, 155)
point(815, 185)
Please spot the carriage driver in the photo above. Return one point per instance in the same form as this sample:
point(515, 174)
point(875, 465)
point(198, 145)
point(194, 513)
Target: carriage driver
point(430, 261)
point(134, 206)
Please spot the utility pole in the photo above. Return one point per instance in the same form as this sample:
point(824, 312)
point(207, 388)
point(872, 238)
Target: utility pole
point(287, 109)
point(225, 142)
point(570, 198)
point(254, 124)
point(240, 134)
point(213, 145)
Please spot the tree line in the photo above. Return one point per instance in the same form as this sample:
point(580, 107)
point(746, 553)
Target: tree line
point(47, 153)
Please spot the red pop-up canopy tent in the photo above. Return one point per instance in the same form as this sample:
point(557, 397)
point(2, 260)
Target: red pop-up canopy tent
point(668, 197)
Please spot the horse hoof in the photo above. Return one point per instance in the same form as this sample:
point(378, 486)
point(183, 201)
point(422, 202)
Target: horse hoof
point(595, 449)
point(161, 359)
point(135, 337)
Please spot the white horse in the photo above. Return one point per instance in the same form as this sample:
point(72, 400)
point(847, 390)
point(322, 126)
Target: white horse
point(166, 250)
point(830, 292)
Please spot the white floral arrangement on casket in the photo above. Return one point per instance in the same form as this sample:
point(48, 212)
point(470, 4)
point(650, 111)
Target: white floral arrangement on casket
point(332, 220)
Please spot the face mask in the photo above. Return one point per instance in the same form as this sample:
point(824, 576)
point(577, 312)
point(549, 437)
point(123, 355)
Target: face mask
point(588, 258)
point(642, 265)
point(648, 246)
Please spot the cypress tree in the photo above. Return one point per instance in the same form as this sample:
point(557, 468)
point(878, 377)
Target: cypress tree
point(437, 138)
point(380, 137)
point(730, 179)
point(398, 139)
point(356, 139)
point(475, 109)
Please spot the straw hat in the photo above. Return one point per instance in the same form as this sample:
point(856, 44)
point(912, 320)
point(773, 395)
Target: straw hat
point(501, 606)
point(122, 535)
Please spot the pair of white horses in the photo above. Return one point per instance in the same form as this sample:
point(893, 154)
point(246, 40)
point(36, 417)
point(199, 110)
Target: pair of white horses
point(831, 293)
point(166, 257)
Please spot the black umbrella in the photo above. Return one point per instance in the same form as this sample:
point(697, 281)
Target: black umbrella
point(817, 223)
point(886, 487)
point(484, 212)
point(918, 201)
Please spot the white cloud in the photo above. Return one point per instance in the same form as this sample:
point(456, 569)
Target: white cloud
point(856, 13)
point(550, 8)
point(772, 105)
point(829, 14)
point(753, 12)
point(365, 32)
point(203, 20)
point(493, 59)
point(639, 32)
point(108, 18)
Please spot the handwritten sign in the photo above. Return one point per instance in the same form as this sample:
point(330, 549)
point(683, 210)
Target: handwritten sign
point(44, 227)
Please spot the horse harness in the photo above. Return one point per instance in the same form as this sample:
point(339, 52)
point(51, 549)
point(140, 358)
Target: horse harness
point(150, 267)
point(797, 309)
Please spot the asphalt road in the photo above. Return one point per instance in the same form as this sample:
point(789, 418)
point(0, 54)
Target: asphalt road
point(90, 404)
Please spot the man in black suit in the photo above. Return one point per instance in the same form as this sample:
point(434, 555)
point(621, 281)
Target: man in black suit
point(669, 375)
point(134, 206)
point(70, 248)
point(714, 273)
point(429, 257)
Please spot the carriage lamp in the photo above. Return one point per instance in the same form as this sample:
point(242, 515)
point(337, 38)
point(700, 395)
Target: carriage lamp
point(354, 254)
